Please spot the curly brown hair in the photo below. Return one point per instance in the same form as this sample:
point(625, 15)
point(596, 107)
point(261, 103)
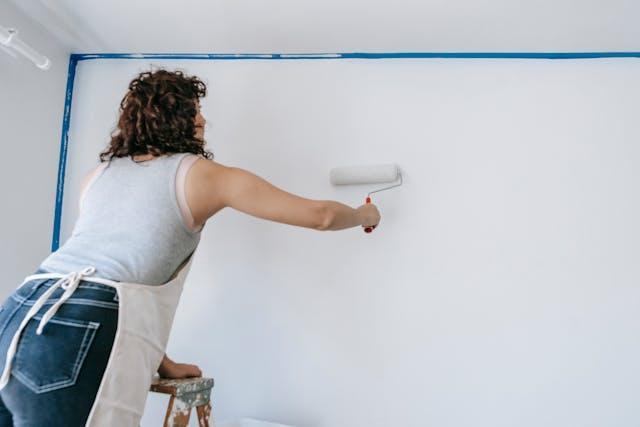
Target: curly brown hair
point(157, 116)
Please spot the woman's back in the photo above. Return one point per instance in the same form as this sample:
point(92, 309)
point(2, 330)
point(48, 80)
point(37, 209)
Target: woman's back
point(130, 225)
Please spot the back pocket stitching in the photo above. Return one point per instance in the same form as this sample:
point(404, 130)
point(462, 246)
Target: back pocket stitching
point(90, 331)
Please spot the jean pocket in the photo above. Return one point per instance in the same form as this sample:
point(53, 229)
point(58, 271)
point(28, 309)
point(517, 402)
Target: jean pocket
point(53, 359)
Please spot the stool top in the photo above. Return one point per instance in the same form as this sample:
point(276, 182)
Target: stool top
point(177, 387)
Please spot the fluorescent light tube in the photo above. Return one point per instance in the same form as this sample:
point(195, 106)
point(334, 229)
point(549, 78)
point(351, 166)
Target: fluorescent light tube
point(9, 38)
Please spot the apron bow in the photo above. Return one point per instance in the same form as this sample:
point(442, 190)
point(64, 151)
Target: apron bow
point(69, 283)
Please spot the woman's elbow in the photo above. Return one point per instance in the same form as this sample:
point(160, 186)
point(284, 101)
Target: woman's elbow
point(325, 217)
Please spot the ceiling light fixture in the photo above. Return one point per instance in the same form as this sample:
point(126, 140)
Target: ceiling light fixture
point(9, 38)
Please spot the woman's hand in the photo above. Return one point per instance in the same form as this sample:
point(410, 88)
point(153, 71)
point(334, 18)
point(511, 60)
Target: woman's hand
point(170, 369)
point(369, 215)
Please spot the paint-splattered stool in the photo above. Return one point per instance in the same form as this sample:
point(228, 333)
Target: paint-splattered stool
point(185, 394)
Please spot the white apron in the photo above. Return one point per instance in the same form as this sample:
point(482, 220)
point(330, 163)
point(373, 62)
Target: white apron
point(145, 317)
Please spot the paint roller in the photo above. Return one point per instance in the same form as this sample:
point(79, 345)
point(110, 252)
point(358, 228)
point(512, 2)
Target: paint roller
point(366, 174)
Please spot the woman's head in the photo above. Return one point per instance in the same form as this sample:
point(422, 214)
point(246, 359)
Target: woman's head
point(160, 114)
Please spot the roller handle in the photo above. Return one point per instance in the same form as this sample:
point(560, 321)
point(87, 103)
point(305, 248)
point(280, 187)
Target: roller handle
point(369, 229)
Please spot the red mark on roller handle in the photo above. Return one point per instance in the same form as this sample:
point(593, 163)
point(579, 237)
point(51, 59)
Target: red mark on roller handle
point(369, 229)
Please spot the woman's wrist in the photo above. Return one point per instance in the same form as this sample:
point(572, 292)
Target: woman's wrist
point(343, 216)
point(165, 364)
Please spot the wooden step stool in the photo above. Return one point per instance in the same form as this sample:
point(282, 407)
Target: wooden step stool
point(185, 394)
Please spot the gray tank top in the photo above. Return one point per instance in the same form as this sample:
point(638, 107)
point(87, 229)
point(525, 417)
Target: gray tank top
point(130, 227)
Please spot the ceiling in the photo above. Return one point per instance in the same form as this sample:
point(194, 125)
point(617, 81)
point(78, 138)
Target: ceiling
point(325, 26)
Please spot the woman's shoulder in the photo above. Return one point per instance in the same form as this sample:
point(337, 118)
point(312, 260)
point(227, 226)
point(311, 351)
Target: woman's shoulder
point(94, 171)
point(203, 164)
point(203, 181)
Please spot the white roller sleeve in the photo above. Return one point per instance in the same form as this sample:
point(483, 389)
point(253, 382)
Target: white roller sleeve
point(364, 174)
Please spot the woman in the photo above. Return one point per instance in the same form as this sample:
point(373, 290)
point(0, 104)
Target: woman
point(142, 210)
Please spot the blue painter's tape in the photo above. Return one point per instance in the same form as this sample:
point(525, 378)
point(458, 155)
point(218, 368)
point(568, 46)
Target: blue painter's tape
point(362, 55)
point(76, 57)
point(62, 162)
point(494, 55)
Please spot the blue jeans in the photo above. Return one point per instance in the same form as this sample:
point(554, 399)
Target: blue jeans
point(55, 376)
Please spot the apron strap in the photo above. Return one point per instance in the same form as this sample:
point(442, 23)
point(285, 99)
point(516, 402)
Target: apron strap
point(60, 275)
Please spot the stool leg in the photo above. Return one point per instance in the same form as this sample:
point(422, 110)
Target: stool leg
point(204, 411)
point(178, 413)
point(169, 407)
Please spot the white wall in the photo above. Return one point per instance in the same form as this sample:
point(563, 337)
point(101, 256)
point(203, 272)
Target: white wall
point(31, 118)
point(293, 26)
point(501, 287)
